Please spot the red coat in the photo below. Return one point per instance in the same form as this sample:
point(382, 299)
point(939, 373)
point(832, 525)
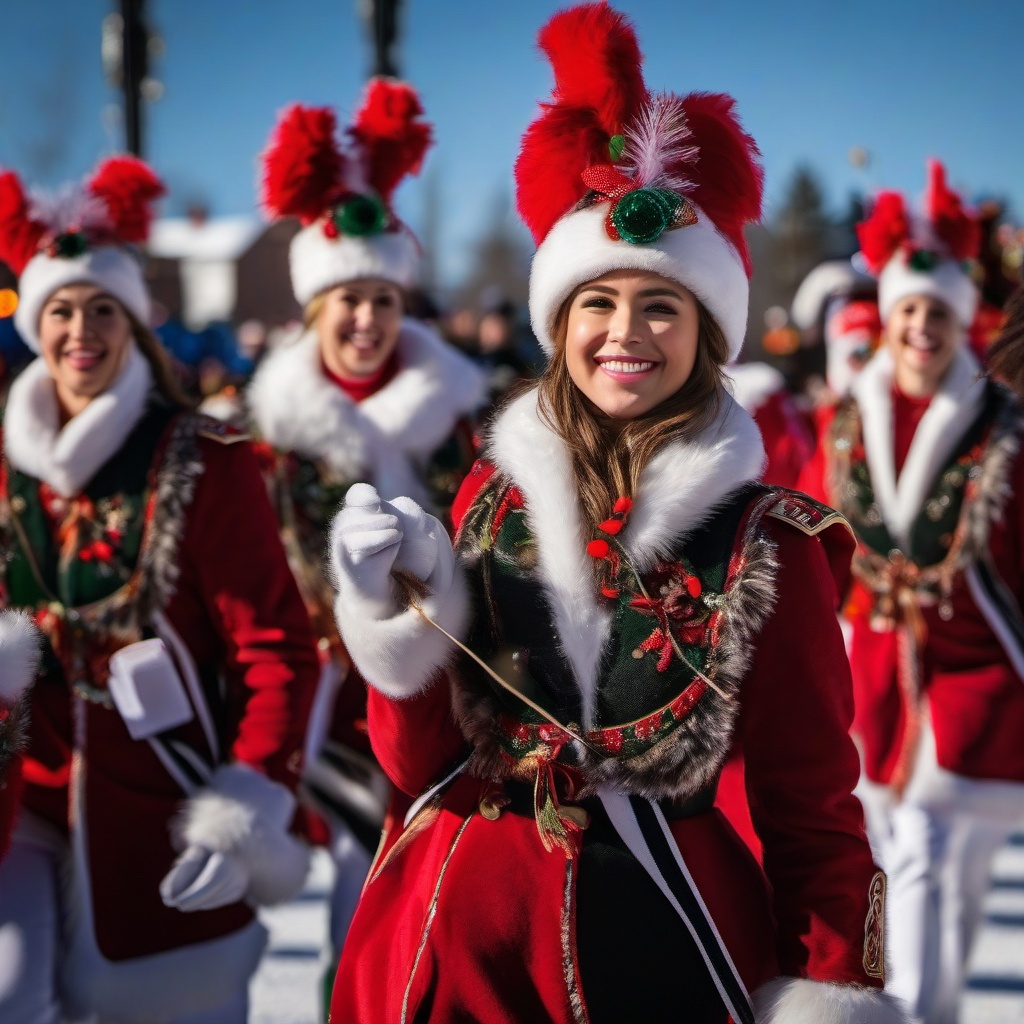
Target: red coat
point(468, 917)
point(238, 614)
point(975, 695)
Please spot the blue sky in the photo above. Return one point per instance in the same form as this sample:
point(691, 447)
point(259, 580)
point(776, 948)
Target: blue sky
point(906, 79)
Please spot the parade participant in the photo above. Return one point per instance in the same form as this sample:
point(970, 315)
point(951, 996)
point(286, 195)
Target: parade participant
point(165, 737)
point(640, 606)
point(365, 393)
point(836, 308)
point(19, 653)
point(924, 460)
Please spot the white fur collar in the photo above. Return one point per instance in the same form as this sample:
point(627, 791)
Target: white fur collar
point(953, 409)
point(68, 458)
point(679, 489)
point(383, 438)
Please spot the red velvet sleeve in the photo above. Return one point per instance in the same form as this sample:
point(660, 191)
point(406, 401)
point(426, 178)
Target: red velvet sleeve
point(415, 740)
point(233, 557)
point(801, 767)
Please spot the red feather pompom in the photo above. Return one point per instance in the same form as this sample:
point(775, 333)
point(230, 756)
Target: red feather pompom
point(957, 229)
point(19, 234)
point(302, 164)
point(598, 88)
point(884, 231)
point(128, 188)
point(393, 139)
point(728, 179)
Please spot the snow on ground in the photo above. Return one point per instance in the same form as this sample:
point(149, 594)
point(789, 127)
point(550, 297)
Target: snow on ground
point(286, 989)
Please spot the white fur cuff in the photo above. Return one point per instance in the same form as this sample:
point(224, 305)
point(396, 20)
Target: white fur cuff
point(401, 655)
point(19, 654)
point(245, 813)
point(803, 1001)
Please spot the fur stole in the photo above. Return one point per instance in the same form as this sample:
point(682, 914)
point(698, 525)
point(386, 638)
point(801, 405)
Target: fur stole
point(68, 457)
point(383, 439)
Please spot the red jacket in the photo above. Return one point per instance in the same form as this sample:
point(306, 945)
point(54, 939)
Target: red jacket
point(235, 608)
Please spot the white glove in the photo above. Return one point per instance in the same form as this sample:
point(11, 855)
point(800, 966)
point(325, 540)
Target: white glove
point(394, 647)
point(371, 537)
point(202, 879)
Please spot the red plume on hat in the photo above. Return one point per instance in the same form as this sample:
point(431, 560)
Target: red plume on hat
point(20, 235)
point(391, 135)
point(947, 229)
point(598, 89)
point(115, 207)
point(302, 164)
point(884, 231)
point(957, 229)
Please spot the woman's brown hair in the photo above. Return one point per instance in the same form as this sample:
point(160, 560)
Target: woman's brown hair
point(608, 456)
point(1006, 356)
point(164, 377)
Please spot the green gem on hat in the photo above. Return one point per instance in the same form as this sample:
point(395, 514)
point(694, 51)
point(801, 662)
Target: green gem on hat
point(360, 215)
point(641, 216)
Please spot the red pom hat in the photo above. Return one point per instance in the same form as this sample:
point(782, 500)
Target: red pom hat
point(342, 197)
point(78, 236)
point(612, 177)
point(923, 254)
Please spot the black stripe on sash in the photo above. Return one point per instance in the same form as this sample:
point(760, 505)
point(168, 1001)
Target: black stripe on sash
point(1005, 604)
point(665, 858)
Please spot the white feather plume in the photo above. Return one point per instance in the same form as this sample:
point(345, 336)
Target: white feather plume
point(657, 142)
point(70, 207)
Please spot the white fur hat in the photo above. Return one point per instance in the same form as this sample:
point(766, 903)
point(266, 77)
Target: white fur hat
point(923, 253)
point(946, 280)
point(319, 262)
point(109, 267)
point(83, 234)
point(343, 198)
point(611, 177)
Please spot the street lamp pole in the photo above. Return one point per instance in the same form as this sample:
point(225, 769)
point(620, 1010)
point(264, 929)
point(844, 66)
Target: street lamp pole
point(381, 19)
point(134, 60)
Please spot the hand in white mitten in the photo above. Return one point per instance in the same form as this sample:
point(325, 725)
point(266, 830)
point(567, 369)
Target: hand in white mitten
point(426, 550)
point(365, 538)
point(202, 879)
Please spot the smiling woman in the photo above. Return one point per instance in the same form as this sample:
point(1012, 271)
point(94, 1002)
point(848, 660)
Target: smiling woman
point(630, 609)
point(178, 668)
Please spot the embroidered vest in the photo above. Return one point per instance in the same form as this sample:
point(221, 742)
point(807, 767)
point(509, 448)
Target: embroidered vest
point(951, 529)
point(669, 677)
point(93, 569)
point(307, 494)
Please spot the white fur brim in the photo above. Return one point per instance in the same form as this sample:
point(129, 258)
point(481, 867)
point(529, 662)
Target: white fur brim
point(245, 813)
point(833, 277)
point(947, 282)
point(400, 656)
point(114, 270)
point(19, 654)
point(803, 1001)
point(318, 262)
point(578, 249)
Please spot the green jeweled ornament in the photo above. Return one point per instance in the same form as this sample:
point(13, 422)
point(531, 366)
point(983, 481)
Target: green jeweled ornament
point(70, 244)
point(641, 216)
point(361, 215)
point(923, 260)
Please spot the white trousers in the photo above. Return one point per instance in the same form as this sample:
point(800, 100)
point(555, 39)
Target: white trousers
point(936, 847)
point(32, 946)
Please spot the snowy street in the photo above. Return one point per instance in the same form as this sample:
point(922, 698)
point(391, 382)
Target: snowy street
point(286, 988)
